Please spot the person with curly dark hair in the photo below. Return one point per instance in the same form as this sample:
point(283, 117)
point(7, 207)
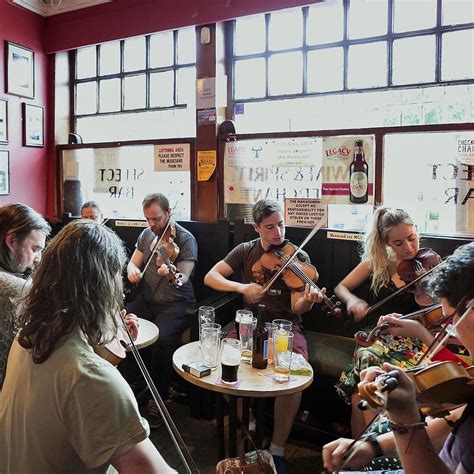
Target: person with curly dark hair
point(64, 408)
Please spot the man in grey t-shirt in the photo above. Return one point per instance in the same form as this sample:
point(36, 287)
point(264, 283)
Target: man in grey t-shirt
point(159, 300)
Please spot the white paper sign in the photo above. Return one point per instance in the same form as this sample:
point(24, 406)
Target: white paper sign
point(305, 212)
point(172, 157)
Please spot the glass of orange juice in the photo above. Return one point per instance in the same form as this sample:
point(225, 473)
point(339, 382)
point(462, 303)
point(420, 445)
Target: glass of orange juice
point(282, 350)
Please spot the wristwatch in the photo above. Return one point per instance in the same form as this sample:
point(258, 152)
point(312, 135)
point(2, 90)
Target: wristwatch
point(372, 440)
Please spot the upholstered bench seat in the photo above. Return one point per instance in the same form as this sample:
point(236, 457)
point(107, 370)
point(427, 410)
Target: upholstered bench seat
point(329, 354)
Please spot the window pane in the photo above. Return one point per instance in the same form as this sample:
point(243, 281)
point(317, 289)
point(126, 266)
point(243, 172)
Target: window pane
point(86, 62)
point(285, 73)
point(109, 95)
point(86, 98)
point(162, 89)
point(250, 35)
point(367, 65)
point(134, 54)
point(286, 30)
point(162, 49)
point(325, 70)
point(325, 22)
point(457, 55)
point(409, 68)
point(186, 45)
point(109, 58)
point(185, 84)
point(367, 18)
point(134, 92)
point(412, 15)
point(457, 11)
point(249, 78)
point(435, 181)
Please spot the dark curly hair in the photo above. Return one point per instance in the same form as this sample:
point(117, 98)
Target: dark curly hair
point(455, 279)
point(78, 286)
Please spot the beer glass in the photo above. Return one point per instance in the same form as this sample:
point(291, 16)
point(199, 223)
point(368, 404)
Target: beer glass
point(247, 325)
point(282, 350)
point(206, 315)
point(210, 341)
point(238, 316)
point(283, 324)
point(271, 328)
point(230, 360)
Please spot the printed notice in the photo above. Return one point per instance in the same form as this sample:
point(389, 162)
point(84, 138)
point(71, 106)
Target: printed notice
point(172, 157)
point(304, 212)
point(344, 236)
point(206, 93)
point(206, 164)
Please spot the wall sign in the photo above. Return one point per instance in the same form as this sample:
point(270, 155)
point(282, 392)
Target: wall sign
point(305, 212)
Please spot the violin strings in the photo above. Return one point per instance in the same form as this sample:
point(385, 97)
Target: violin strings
point(302, 275)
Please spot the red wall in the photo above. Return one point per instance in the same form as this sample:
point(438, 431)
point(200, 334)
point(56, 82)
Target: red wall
point(28, 166)
point(124, 18)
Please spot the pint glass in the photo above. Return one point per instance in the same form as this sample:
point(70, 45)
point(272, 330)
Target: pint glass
point(230, 360)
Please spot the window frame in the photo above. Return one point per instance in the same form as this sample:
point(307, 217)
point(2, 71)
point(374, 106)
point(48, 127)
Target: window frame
point(175, 67)
point(438, 30)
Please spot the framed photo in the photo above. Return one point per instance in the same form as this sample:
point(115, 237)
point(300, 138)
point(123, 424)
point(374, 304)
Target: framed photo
point(3, 121)
point(33, 125)
point(20, 70)
point(4, 173)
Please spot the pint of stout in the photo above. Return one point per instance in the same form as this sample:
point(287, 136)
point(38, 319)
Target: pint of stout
point(230, 360)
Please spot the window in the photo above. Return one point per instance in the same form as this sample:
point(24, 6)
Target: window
point(136, 74)
point(352, 45)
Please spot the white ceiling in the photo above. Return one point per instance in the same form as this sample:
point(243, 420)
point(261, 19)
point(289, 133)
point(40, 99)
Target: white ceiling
point(54, 7)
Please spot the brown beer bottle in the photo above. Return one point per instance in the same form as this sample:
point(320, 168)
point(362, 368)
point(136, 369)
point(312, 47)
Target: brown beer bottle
point(260, 341)
point(359, 175)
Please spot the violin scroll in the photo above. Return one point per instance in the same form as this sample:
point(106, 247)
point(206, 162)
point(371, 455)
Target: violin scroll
point(372, 393)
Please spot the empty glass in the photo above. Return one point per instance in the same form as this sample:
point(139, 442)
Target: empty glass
point(206, 315)
point(238, 316)
point(247, 325)
point(271, 328)
point(210, 344)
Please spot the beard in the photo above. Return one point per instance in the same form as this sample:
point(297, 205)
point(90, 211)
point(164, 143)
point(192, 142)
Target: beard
point(20, 268)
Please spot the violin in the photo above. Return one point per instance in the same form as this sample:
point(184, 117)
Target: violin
point(296, 274)
point(431, 317)
point(168, 251)
point(410, 270)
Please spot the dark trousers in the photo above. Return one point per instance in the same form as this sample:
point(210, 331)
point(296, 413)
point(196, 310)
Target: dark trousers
point(171, 321)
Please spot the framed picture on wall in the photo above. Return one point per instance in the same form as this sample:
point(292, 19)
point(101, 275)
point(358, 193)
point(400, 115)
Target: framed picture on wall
point(4, 173)
point(3, 121)
point(33, 125)
point(20, 70)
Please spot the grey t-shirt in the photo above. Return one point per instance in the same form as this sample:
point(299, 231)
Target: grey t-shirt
point(157, 289)
point(244, 260)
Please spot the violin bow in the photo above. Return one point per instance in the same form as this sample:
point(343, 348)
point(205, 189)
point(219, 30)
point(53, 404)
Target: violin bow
point(292, 257)
point(439, 341)
point(403, 288)
point(175, 435)
point(155, 246)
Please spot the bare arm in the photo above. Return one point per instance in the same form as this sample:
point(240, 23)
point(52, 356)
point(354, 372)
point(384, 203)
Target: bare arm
point(186, 267)
point(143, 458)
point(218, 279)
point(133, 268)
point(437, 430)
point(303, 301)
point(356, 307)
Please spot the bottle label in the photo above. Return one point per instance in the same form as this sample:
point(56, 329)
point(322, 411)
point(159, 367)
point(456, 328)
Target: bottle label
point(358, 184)
point(265, 349)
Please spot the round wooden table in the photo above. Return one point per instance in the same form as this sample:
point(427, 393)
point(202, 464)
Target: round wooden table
point(148, 333)
point(253, 383)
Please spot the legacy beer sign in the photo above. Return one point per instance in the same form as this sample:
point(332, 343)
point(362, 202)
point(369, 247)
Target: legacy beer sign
point(348, 170)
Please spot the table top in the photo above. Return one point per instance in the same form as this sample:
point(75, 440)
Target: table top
point(148, 333)
point(253, 382)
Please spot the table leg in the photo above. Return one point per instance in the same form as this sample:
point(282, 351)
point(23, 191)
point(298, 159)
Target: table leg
point(232, 426)
point(260, 421)
point(220, 425)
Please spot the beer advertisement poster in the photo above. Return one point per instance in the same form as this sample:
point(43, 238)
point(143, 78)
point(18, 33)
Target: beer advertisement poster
point(348, 170)
point(272, 168)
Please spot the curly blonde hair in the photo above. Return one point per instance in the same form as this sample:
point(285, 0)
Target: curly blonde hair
point(375, 250)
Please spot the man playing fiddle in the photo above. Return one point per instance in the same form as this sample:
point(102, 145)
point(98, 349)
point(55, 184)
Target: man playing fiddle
point(280, 302)
point(159, 300)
